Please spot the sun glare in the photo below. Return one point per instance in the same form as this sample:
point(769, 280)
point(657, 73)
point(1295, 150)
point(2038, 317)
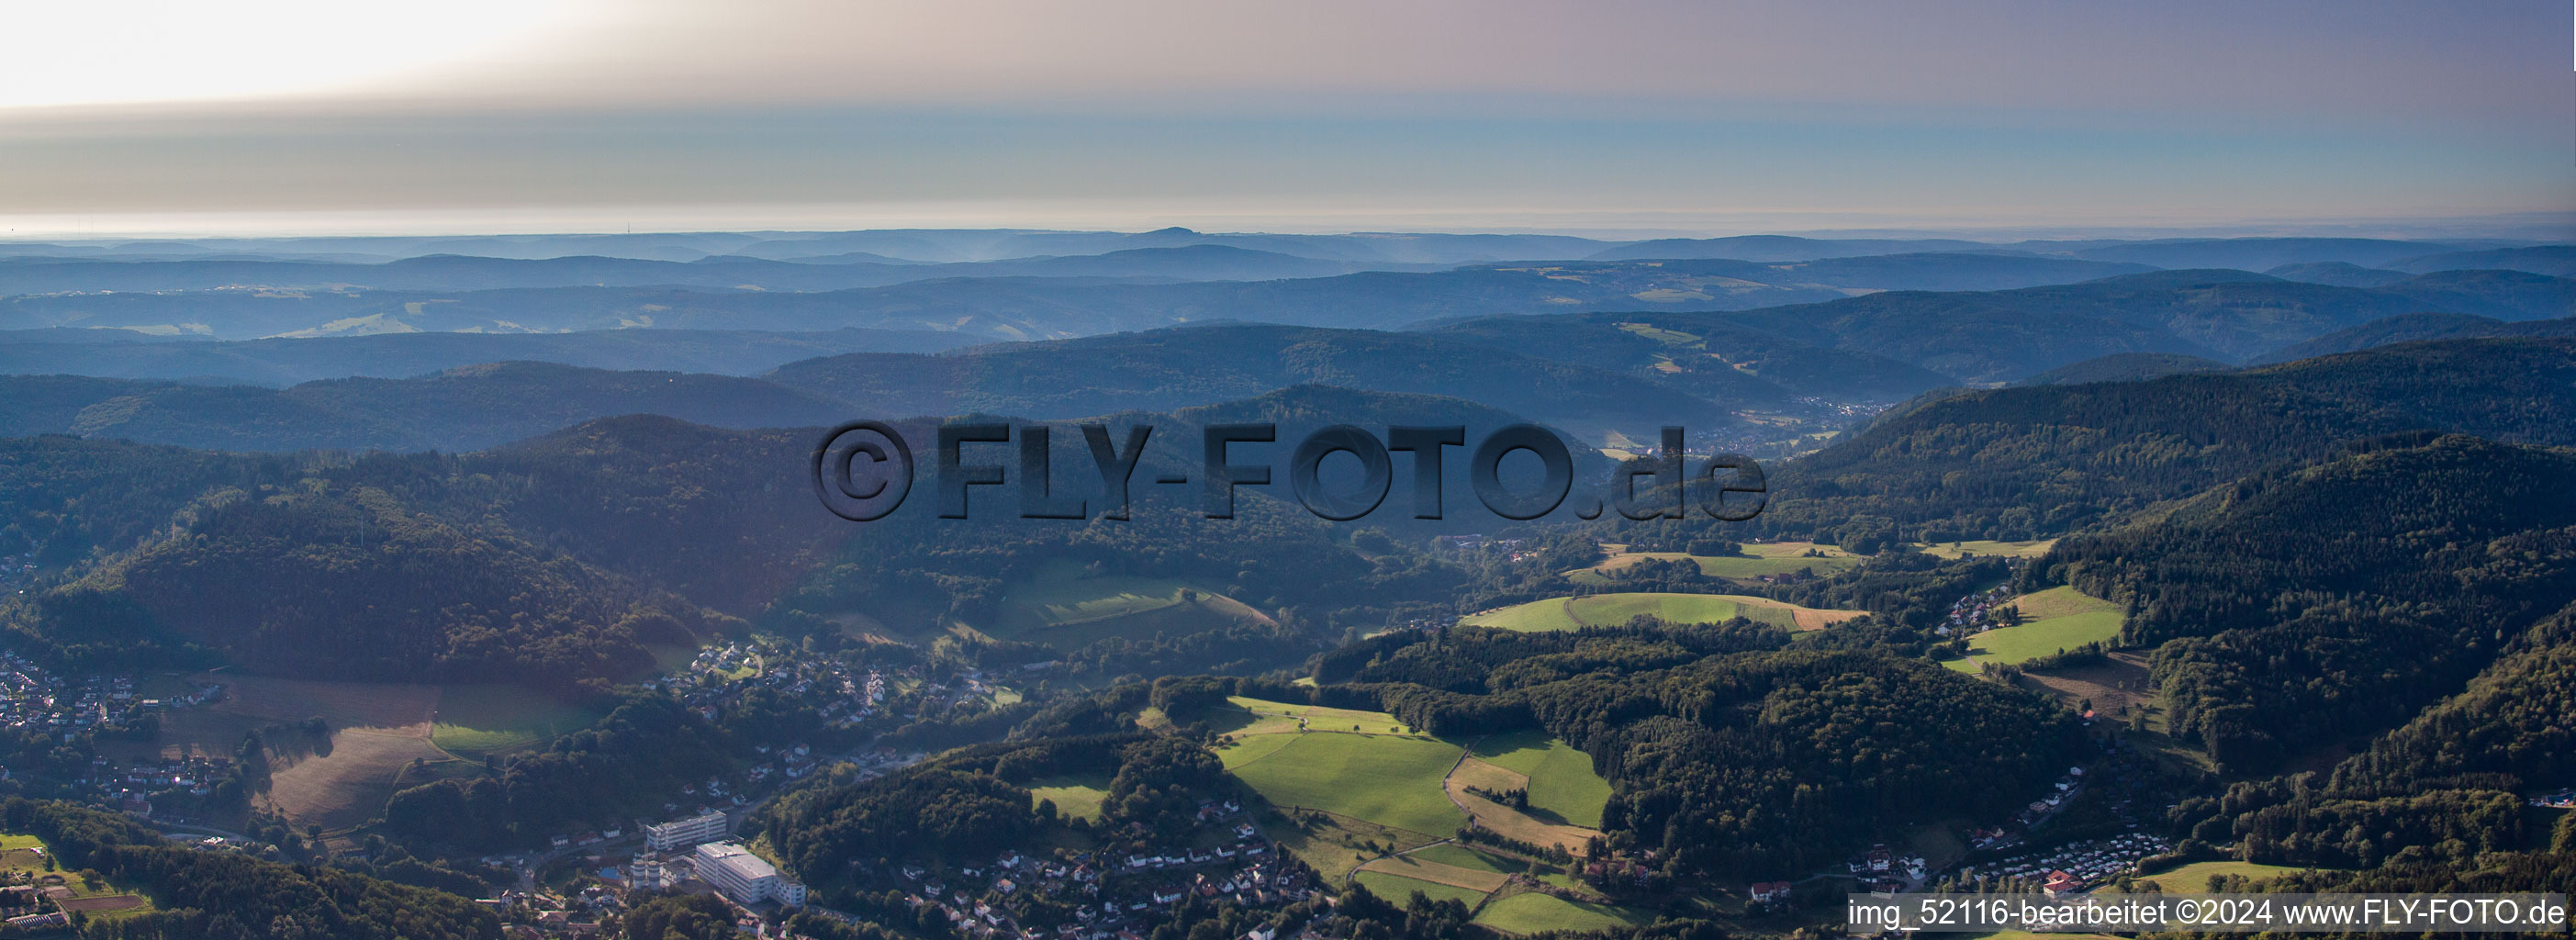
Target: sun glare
point(142, 51)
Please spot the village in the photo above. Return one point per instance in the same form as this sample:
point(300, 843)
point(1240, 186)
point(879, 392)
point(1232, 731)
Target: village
point(1063, 894)
point(1112, 898)
point(2064, 868)
point(16, 573)
point(33, 699)
point(1978, 612)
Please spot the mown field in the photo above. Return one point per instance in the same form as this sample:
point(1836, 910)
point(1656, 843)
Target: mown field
point(1754, 561)
point(474, 720)
point(1531, 912)
point(1460, 856)
point(383, 736)
point(2193, 877)
point(1067, 607)
point(2056, 619)
point(1074, 794)
point(1985, 548)
point(1561, 779)
point(1252, 716)
point(1602, 610)
point(1399, 888)
point(1390, 780)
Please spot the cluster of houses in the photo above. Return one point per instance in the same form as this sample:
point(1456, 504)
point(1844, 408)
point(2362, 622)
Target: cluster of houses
point(34, 699)
point(1768, 893)
point(843, 695)
point(2073, 867)
point(2004, 835)
point(29, 906)
point(16, 572)
point(528, 915)
point(2563, 799)
point(1474, 542)
point(1882, 870)
point(132, 785)
point(1112, 897)
point(1976, 613)
point(1616, 867)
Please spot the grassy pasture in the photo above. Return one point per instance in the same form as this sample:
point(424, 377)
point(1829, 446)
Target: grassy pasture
point(1074, 794)
point(1390, 780)
point(476, 720)
point(377, 705)
point(1987, 548)
point(1659, 334)
point(1602, 610)
point(350, 784)
point(1455, 855)
point(377, 730)
point(1754, 561)
point(2057, 618)
point(1414, 866)
point(1561, 780)
point(2193, 878)
point(1536, 827)
point(1398, 888)
point(1333, 845)
point(1248, 717)
point(1066, 607)
point(1533, 912)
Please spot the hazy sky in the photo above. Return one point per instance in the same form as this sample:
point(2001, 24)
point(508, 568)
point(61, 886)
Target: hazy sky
point(515, 115)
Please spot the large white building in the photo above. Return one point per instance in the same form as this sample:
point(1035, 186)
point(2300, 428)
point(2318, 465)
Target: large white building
point(681, 833)
point(743, 877)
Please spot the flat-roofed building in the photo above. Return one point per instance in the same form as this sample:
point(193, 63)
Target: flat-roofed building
point(682, 833)
point(744, 877)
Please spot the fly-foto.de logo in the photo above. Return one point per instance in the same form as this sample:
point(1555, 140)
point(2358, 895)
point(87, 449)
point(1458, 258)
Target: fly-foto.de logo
point(865, 470)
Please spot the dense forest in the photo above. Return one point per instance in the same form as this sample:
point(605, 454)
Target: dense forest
point(554, 563)
point(202, 895)
point(2033, 462)
point(2337, 600)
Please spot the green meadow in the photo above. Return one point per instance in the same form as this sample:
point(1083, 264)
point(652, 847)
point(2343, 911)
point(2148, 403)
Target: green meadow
point(1074, 794)
point(1398, 888)
point(2059, 618)
point(1532, 912)
point(1390, 780)
point(1603, 610)
point(1752, 561)
point(1562, 782)
point(494, 718)
point(1986, 549)
point(1066, 606)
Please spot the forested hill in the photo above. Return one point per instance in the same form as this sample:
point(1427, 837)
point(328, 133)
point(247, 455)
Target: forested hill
point(466, 408)
point(2125, 367)
point(198, 893)
point(1714, 357)
point(123, 354)
point(1724, 755)
point(550, 562)
point(1159, 370)
point(480, 406)
point(2019, 463)
point(1999, 336)
point(2416, 327)
point(559, 560)
point(2320, 603)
